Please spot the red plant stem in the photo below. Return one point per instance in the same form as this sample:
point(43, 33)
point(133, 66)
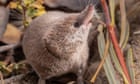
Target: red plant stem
point(118, 52)
point(114, 40)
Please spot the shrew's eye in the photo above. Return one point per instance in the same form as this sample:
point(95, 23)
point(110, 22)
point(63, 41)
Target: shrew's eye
point(76, 24)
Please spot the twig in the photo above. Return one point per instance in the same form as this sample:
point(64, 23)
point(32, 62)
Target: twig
point(15, 79)
point(136, 32)
point(24, 14)
point(1, 78)
point(8, 47)
point(101, 63)
point(4, 16)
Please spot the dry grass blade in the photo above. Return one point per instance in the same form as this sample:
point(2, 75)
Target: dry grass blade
point(112, 8)
point(116, 63)
point(130, 65)
point(108, 66)
point(102, 61)
point(124, 25)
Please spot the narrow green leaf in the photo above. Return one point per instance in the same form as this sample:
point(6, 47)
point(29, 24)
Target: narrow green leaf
point(108, 67)
point(130, 64)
